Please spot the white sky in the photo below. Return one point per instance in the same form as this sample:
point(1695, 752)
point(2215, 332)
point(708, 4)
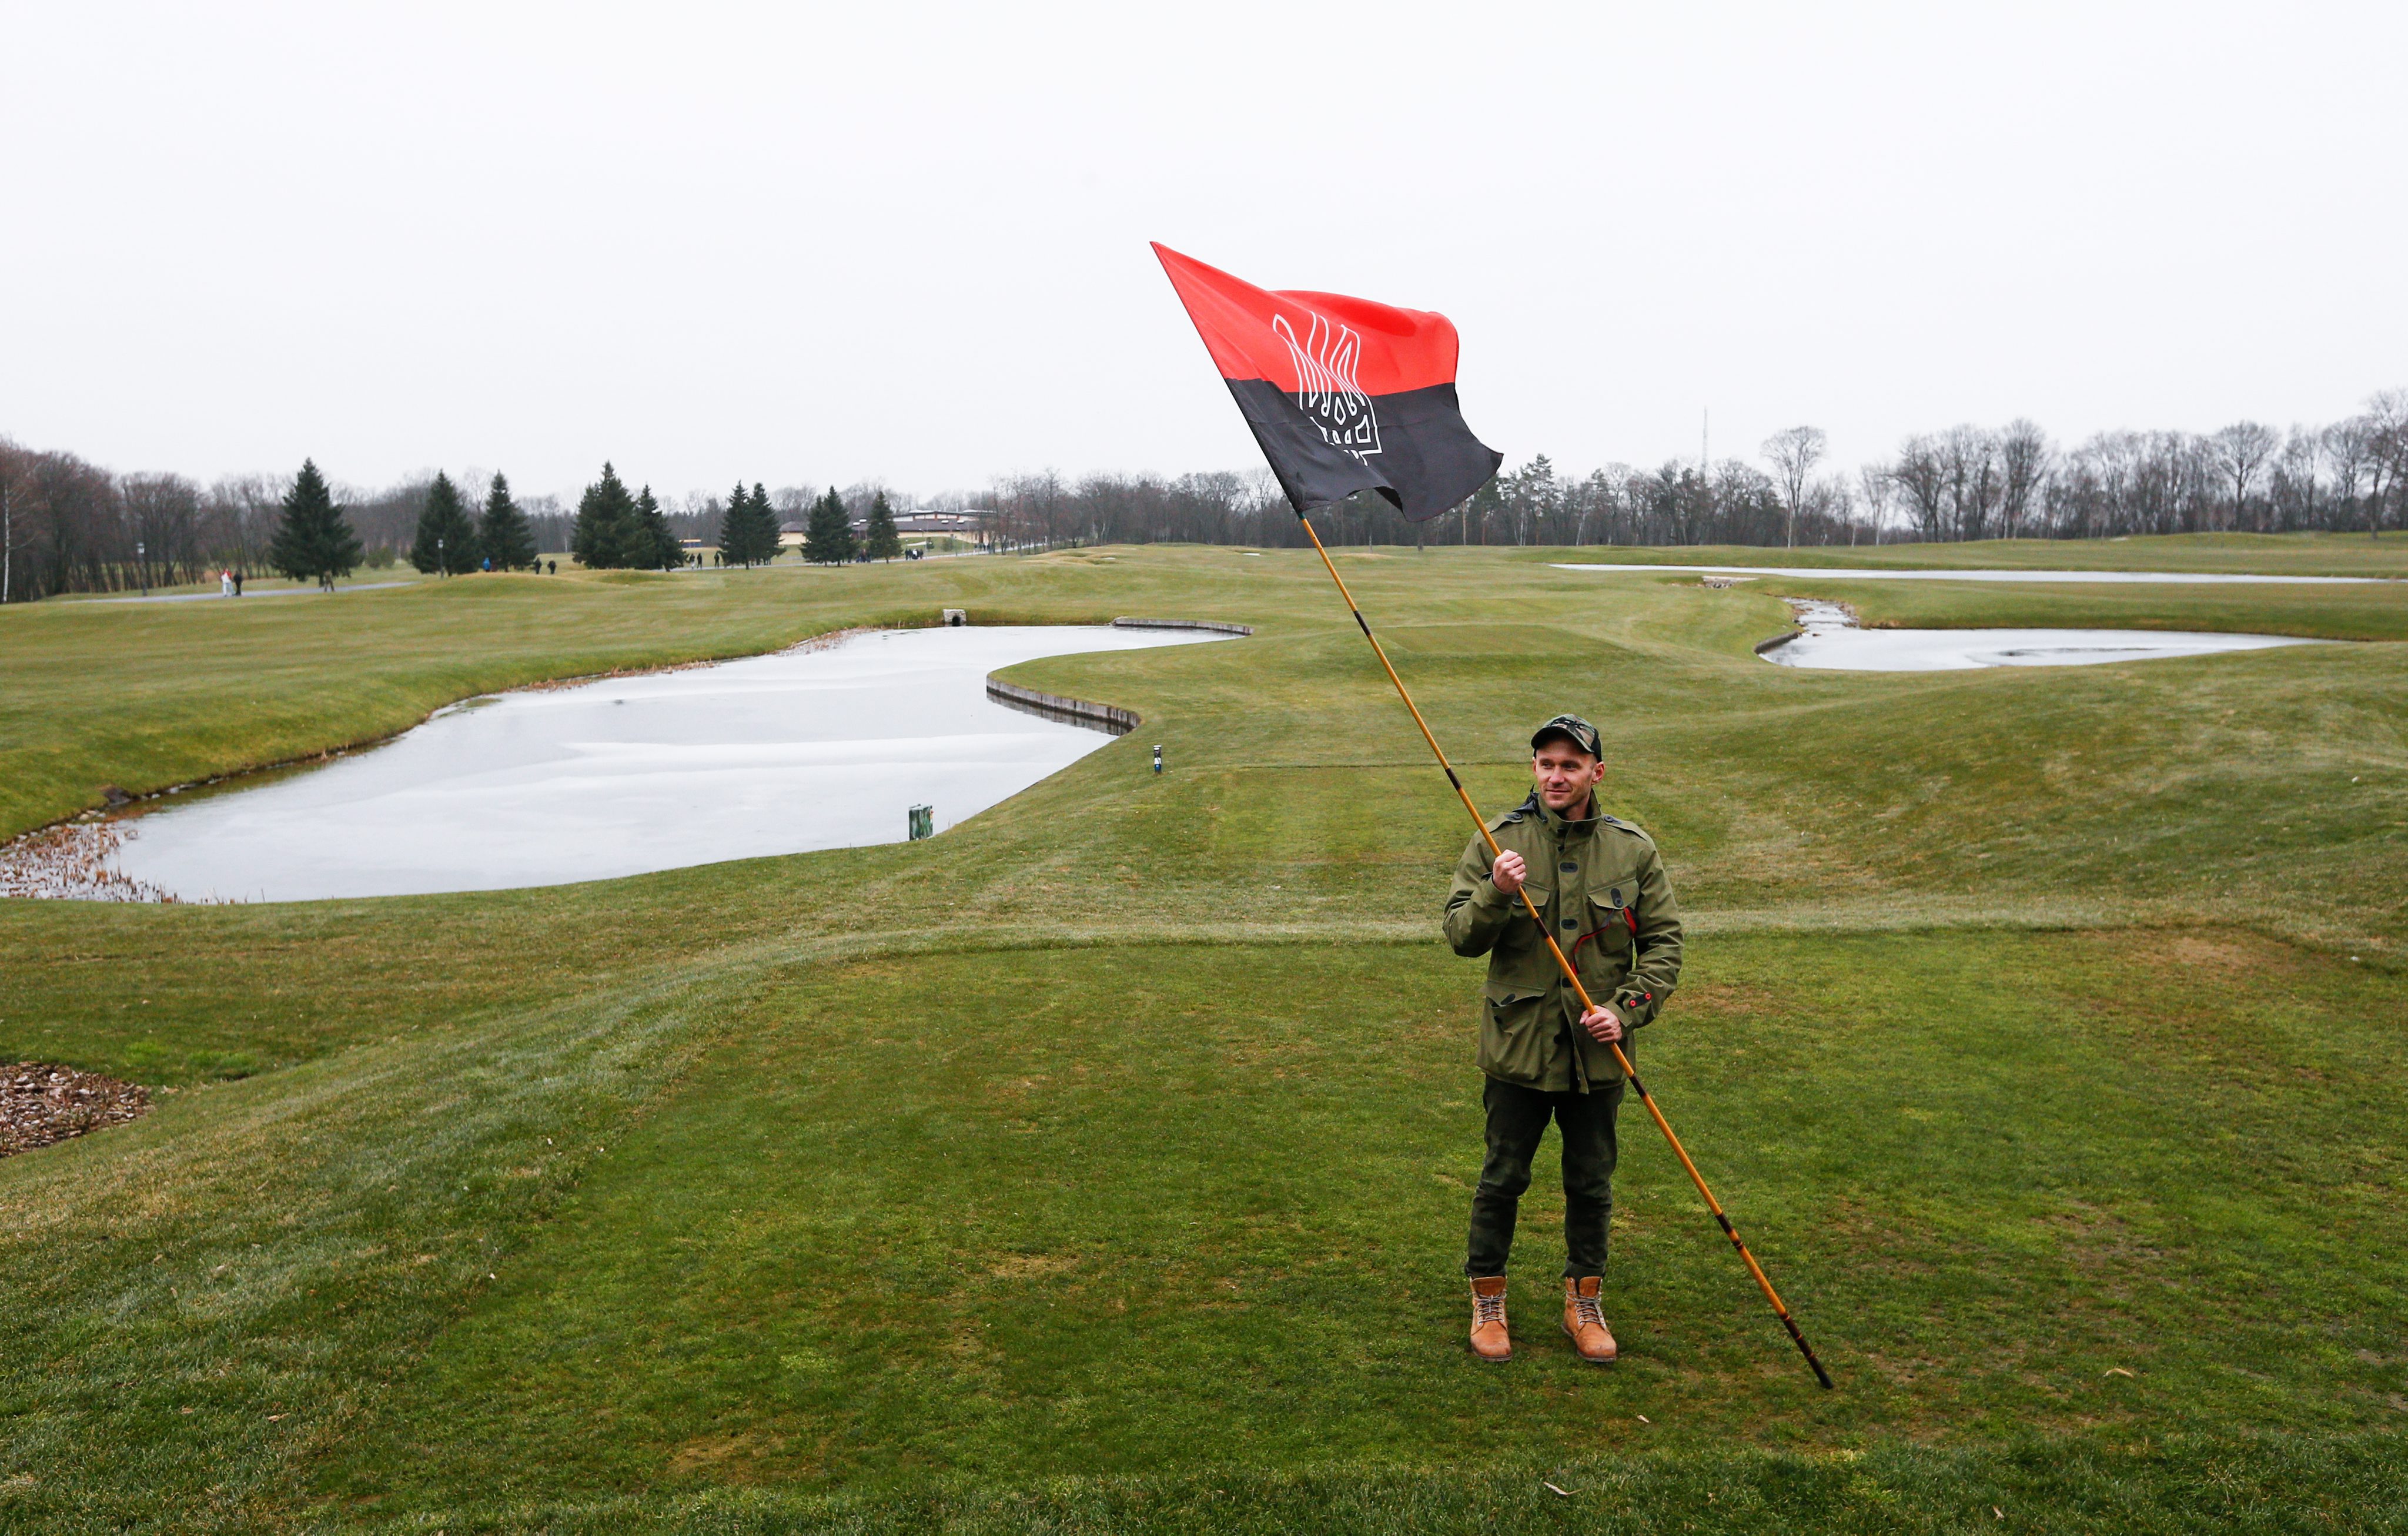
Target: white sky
point(908, 243)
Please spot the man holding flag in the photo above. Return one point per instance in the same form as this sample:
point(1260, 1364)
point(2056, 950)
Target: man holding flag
point(1598, 885)
point(1346, 396)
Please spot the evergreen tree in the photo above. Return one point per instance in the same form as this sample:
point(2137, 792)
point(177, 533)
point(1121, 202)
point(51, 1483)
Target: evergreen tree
point(604, 515)
point(447, 540)
point(508, 541)
point(749, 536)
point(883, 542)
point(765, 517)
point(312, 537)
point(827, 540)
point(650, 545)
point(734, 528)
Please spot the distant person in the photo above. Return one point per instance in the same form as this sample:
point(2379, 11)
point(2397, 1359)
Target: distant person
point(225, 584)
point(556, 567)
point(1599, 888)
point(489, 564)
point(237, 583)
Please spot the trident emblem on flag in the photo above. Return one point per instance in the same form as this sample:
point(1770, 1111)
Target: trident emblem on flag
point(1325, 389)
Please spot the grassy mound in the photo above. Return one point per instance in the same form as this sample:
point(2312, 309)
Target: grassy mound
point(1102, 1164)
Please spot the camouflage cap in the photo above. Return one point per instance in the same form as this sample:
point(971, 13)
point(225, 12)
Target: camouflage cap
point(1579, 732)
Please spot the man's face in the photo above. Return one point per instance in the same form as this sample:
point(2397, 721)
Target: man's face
point(1564, 774)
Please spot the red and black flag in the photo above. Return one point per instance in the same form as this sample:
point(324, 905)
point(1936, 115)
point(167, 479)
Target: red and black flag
point(1342, 393)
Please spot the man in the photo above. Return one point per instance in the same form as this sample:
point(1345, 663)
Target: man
point(1600, 893)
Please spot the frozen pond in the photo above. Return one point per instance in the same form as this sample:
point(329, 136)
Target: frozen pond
point(825, 748)
point(1834, 574)
point(1828, 637)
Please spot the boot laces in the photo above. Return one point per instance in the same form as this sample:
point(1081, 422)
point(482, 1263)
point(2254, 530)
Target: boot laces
point(1489, 1309)
point(1584, 1308)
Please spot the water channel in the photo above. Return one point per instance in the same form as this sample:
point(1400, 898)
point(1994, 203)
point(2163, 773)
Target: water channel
point(806, 749)
point(1828, 637)
point(1870, 574)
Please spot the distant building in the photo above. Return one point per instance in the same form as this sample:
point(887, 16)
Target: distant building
point(970, 525)
point(789, 536)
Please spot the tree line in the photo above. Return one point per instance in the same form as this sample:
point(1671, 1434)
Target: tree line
point(1968, 482)
point(69, 525)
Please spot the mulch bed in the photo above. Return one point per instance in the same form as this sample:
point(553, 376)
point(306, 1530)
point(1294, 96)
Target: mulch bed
point(41, 1103)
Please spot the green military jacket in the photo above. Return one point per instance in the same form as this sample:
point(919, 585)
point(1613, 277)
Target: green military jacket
point(1600, 886)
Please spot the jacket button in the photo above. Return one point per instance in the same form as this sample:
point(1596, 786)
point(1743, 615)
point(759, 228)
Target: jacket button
point(1571, 923)
point(1614, 896)
point(1568, 868)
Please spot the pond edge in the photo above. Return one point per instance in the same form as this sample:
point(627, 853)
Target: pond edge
point(1112, 717)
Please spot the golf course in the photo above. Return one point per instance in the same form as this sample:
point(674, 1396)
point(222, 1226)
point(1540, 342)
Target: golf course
point(1102, 1163)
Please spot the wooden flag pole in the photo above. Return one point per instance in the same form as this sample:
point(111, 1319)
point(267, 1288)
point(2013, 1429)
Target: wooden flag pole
point(1762, 1281)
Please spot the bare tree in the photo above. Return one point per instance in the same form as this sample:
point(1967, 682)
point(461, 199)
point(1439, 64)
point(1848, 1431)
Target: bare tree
point(2026, 458)
point(1875, 490)
point(1794, 454)
point(1831, 505)
point(2239, 451)
point(1969, 458)
point(2291, 486)
point(2387, 443)
point(2347, 445)
point(1920, 478)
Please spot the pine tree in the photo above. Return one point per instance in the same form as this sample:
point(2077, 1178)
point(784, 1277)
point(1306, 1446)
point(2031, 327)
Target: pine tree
point(312, 537)
point(748, 535)
point(603, 513)
point(883, 543)
point(508, 541)
point(447, 540)
point(828, 539)
point(733, 532)
point(765, 517)
point(650, 544)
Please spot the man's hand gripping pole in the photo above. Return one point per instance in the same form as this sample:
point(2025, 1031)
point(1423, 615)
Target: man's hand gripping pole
point(1763, 1282)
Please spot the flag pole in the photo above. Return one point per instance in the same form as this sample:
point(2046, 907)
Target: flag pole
point(1712, 1205)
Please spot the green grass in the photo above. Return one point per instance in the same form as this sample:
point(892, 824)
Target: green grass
point(1102, 1164)
point(2270, 555)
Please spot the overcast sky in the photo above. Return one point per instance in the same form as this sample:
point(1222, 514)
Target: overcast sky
point(908, 243)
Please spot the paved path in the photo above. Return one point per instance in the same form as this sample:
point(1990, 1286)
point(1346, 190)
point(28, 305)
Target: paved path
point(264, 591)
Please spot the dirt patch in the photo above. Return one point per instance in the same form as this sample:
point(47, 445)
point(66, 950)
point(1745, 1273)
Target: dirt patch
point(2190, 951)
point(729, 1458)
point(1031, 1266)
point(41, 1103)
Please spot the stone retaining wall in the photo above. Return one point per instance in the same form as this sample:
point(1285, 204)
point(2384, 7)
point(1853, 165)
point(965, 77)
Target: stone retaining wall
point(1183, 623)
point(1117, 720)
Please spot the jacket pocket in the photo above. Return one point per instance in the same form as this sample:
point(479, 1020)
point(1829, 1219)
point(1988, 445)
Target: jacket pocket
point(1511, 1044)
point(1605, 946)
point(1609, 921)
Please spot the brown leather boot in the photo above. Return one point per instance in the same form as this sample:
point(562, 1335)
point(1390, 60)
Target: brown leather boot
point(1489, 1340)
point(1584, 1324)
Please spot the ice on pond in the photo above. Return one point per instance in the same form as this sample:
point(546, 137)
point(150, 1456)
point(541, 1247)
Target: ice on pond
point(806, 749)
point(1828, 637)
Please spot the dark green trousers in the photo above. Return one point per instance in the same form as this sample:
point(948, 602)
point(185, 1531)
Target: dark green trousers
point(1517, 1118)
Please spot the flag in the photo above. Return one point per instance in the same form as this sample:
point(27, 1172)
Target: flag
point(1343, 394)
